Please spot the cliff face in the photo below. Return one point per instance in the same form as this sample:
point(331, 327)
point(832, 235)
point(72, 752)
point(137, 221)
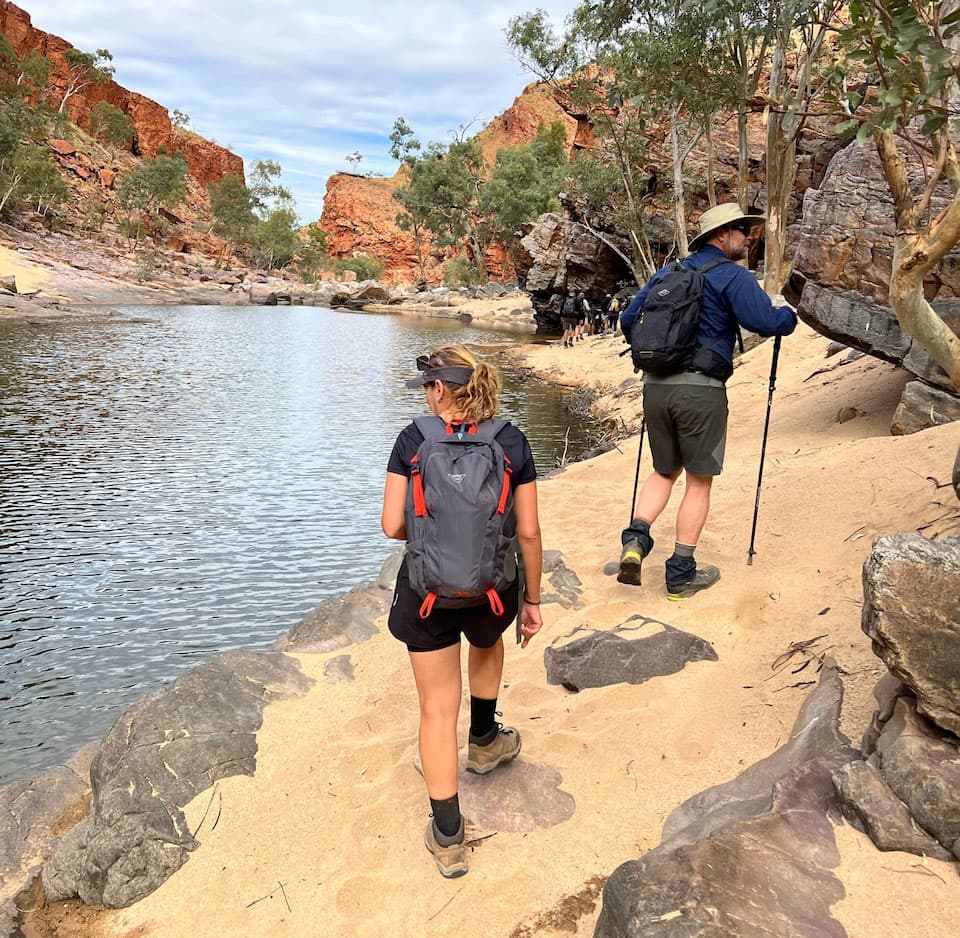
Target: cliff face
point(359, 212)
point(207, 162)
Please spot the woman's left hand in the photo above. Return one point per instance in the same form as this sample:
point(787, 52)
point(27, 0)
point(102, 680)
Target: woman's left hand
point(530, 622)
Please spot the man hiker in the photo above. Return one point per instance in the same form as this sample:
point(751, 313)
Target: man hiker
point(582, 307)
point(568, 318)
point(686, 412)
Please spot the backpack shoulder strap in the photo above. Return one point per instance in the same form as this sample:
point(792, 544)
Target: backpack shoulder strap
point(488, 429)
point(716, 262)
point(432, 428)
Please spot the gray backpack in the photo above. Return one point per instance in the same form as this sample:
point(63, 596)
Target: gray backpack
point(461, 526)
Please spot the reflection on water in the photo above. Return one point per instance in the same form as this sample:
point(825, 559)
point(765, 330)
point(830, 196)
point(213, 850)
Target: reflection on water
point(187, 481)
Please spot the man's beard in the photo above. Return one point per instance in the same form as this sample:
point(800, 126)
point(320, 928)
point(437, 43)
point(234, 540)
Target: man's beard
point(738, 254)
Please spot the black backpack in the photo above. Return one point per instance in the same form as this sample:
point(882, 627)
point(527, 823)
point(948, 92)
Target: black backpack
point(663, 339)
point(460, 520)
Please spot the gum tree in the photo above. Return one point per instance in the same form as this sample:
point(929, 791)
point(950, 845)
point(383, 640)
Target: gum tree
point(85, 69)
point(911, 49)
point(799, 32)
point(633, 66)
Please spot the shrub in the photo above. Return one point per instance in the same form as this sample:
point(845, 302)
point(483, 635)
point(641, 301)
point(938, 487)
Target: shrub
point(366, 268)
point(460, 272)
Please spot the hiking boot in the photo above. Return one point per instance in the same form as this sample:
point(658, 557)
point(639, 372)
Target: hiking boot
point(631, 559)
point(449, 852)
point(702, 579)
point(504, 746)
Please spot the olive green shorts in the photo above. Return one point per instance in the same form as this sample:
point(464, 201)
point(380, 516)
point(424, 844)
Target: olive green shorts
point(686, 424)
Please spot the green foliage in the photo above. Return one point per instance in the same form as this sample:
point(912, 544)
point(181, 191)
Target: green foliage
point(274, 240)
point(147, 262)
point(267, 194)
point(154, 183)
point(94, 217)
point(525, 183)
point(313, 255)
point(443, 193)
point(906, 50)
point(30, 175)
point(403, 145)
point(365, 267)
point(179, 120)
point(231, 204)
point(109, 123)
point(132, 228)
point(35, 71)
point(460, 272)
point(532, 38)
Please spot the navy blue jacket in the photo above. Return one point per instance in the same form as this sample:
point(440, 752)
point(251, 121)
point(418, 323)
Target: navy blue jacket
point(731, 295)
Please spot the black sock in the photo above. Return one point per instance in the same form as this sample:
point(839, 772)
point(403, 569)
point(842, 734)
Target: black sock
point(482, 713)
point(446, 814)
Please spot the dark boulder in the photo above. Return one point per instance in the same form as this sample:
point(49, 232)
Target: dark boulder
point(162, 752)
point(605, 658)
point(871, 806)
point(751, 857)
point(911, 589)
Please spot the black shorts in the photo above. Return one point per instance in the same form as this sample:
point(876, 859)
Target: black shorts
point(687, 427)
point(443, 627)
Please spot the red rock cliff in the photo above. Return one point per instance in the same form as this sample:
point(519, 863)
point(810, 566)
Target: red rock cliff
point(359, 213)
point(206, 161)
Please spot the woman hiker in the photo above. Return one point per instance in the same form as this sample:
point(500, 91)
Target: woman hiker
point(462, 393)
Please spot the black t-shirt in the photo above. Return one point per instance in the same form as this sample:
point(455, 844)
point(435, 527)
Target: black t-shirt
point(511, 438)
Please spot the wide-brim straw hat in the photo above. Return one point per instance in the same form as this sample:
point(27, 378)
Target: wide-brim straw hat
point(728, 213)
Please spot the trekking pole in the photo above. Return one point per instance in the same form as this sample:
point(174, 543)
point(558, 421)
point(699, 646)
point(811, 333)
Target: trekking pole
point(636, 478)
point(763, 447)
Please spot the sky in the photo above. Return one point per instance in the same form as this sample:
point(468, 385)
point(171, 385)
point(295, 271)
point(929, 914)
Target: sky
point(306, 83)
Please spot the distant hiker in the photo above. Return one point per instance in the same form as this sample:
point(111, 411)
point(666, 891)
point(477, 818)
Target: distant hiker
point(613, 313)
point(597, 316)
point(432, 510)
point(582, 307)
point(568, 318)
point(686, 412)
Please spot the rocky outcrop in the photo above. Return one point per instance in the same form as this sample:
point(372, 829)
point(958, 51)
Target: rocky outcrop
point(840, 276)
point(34, 815)
point(562, 254)
point(206, 161)
point(906, 793)
point(162, 752)
point(752, 856)
point(911, 612)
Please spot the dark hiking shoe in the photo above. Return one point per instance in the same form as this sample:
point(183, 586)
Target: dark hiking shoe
point(502, 748)
point(702, 579)
point(449, 852)
point(631, 560)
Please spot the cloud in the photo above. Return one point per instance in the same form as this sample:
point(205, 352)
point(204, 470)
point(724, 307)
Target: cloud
point(306, 85)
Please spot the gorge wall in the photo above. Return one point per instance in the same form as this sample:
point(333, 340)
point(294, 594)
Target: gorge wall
point(359, 212)
point(207, 162)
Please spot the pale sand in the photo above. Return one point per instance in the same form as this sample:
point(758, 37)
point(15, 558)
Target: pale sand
point(336, 810)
